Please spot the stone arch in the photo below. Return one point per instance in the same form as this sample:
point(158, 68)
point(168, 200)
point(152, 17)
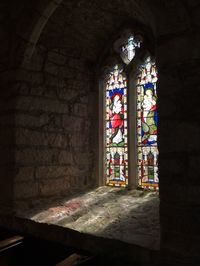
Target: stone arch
point(140, 11)
point(36, 106)
point(38, 28)
point(48, 79)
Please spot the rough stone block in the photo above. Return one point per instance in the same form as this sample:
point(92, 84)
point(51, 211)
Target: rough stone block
point(84, 158)
point(84, 99)
point(43, 172)
point(36, 60)
point(51, 68)
point(36, 138)
point(68, 94)
point(54, 187)
point(37, 90)
point(25, 190)
point(24, 173)
point(23, 88)
point(65, 157)
point(27, 103)
point(80, 109)
point(28, 120)
point(78, 170)
point(30, 156)
point(79, 139)
point(72, 123)
point(56, 57)
point(35, 77)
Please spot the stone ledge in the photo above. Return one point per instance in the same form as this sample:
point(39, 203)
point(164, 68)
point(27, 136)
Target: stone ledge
point(80, 241)
point(130, 216)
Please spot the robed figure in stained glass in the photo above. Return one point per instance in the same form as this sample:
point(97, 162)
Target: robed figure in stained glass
point(149, 116)
point(116, 129)
point(116, 114)
point(147, 119)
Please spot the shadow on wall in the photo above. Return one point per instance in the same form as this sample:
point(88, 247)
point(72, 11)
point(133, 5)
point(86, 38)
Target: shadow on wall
point(7, 146)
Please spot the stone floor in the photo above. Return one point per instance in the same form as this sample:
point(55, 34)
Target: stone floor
point(131, 216)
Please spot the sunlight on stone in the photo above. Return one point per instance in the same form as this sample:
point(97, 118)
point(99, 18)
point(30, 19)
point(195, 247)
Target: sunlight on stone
point(127, 215)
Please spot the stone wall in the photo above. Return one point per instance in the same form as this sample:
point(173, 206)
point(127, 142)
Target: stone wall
point(7, 143)
point(54, 124)
point(56, 96)
point(7, 134)
point(178, 58)
point(49, 105)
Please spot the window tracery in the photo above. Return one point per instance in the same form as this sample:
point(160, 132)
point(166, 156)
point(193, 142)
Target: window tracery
point(117, 122)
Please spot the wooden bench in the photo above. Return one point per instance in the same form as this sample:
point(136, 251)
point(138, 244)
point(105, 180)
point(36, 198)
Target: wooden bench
point(10, 242)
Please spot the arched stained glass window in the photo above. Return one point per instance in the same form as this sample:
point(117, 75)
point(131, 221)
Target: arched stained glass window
point(116, 130)
point(136, 166)
point(147, 119)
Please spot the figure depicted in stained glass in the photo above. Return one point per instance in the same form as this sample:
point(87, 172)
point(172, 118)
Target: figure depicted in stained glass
point(148, 73)
point(116, 114)
point(116, 129)
point(149, 126)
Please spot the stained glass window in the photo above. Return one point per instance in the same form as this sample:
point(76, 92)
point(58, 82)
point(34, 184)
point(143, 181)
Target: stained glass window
point(116, 130)
point(147, 120)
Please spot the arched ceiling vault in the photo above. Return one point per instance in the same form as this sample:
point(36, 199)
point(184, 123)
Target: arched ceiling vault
point(83, 27)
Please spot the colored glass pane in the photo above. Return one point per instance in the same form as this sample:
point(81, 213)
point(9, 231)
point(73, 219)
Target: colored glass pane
point(128, 49)
point(116, 130)
point(147, 121)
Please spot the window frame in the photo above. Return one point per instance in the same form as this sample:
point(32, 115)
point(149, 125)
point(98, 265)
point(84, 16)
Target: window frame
point(131, 71)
